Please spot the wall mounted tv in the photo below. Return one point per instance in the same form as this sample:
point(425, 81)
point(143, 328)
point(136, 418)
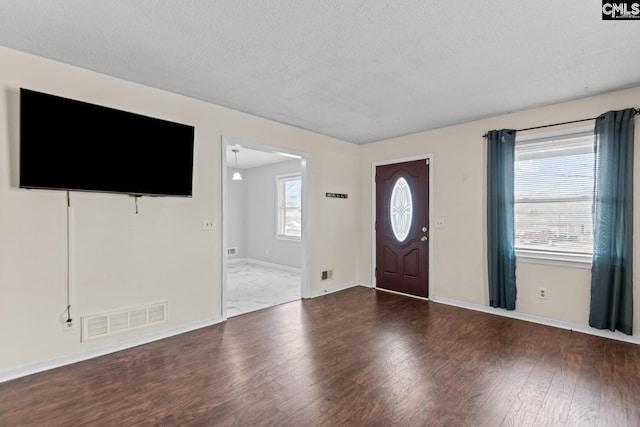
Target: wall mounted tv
point(72, 145)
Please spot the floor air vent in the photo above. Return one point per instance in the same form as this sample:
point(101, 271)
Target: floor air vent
point(103, 325)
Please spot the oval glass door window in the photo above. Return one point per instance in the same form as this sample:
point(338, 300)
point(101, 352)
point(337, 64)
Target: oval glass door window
point(401, 209)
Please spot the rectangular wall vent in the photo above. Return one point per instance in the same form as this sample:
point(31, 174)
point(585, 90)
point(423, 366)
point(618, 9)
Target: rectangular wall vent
point(118, 322)
point(97, 326)
point(232, 251)
point(106, 324)
point(156, 313)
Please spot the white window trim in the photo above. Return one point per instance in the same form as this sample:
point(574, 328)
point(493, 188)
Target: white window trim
point(541, 136)
point(554, 258)
point(280, 236)
point(564, 259)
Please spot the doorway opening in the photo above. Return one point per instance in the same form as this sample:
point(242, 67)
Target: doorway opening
point(264, 226)
point(402, 242)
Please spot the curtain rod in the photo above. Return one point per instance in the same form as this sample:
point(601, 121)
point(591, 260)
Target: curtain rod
point(636, 110)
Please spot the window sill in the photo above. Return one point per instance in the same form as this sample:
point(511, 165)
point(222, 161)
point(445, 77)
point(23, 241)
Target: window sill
point(554, 258)
point(288, 238)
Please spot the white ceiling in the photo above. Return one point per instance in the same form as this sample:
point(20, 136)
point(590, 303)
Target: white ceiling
point(358, 70)
point(248, 158)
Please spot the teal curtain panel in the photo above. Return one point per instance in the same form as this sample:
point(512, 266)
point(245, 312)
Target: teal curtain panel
point(500, 218)
point(612, 266)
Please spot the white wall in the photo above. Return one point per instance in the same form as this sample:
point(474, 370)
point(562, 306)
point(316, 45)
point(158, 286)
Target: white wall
point(121, 259)
point(459, 187)
point(236, 213)
point(260, 218)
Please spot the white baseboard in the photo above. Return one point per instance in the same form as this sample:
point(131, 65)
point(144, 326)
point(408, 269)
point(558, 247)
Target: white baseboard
point(264, 264)
point(33, 368)
point(337, 289)
point(634, 339)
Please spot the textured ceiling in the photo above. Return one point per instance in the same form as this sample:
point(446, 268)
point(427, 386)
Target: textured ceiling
point(360, 71)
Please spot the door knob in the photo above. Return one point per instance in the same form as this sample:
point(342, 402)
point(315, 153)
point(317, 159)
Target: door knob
point(424, 229)
point(423, 239)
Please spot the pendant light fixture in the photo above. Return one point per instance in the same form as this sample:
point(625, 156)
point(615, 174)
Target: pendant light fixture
point(236, 175)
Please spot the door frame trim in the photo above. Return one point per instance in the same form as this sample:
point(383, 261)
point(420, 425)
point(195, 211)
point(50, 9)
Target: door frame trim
point(306, 209)
point(428, 157)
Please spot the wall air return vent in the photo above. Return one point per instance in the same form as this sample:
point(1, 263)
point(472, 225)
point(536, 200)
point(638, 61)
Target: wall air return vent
point(102, 325)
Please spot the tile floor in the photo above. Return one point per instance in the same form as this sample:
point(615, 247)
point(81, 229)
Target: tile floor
point(252, 287)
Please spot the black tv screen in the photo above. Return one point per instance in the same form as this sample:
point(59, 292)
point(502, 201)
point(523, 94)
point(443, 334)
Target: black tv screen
point(73, 145)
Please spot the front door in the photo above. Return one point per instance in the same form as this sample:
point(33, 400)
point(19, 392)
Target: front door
point(402, 227)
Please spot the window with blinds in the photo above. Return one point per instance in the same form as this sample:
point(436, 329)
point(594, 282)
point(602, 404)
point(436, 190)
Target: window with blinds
point(289, 206)
point(554, 184)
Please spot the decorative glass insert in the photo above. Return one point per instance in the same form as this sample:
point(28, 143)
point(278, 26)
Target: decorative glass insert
point(401, 209)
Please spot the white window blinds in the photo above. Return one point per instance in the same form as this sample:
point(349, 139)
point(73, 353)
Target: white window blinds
point(554, 183)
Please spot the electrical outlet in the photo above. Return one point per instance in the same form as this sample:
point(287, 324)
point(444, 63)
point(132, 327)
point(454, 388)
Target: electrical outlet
point(70, 325)
point(542, 293)
point(208, 224)
point(326, 275)
point(66, 325)
point(439, 223)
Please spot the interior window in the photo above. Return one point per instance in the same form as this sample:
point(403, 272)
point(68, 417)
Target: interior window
point(290, 206)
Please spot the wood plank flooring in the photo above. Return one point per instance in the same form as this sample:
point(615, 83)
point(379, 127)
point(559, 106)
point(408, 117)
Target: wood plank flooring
point(357, 357)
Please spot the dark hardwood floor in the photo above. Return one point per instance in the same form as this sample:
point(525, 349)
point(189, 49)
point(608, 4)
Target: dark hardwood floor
point(357, 357)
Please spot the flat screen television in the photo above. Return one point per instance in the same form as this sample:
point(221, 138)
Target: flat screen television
point(72, 145)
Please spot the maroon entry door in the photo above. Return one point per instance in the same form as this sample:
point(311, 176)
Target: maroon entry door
point(402, 227)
